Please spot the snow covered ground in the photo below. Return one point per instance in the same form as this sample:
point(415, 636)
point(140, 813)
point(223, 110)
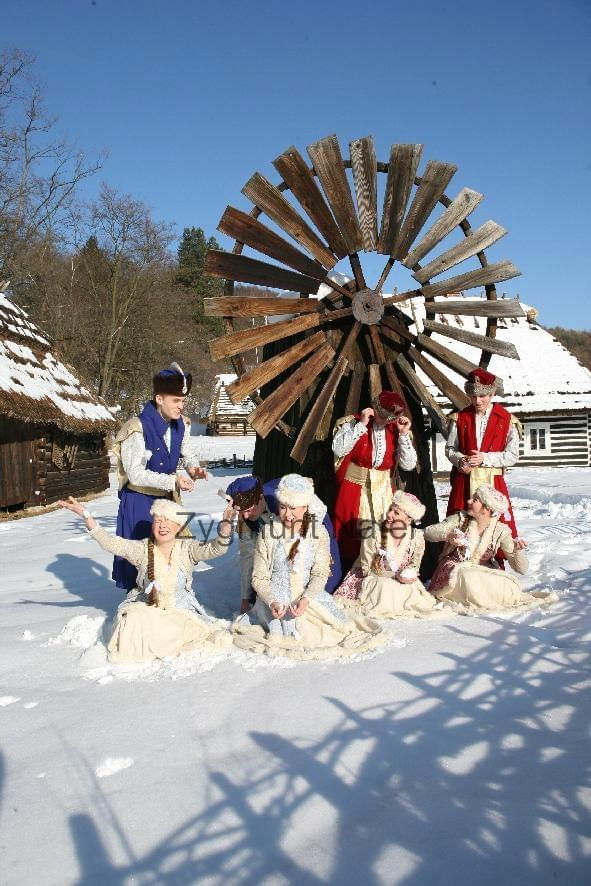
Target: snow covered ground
point(459, 755)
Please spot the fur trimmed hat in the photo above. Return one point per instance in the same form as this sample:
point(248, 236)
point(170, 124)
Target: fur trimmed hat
point(481, 382)
point(172, 381)
point(388, 405)
point(245, 491)
point(295, 491)
point(491, 498)
point(409, 503)
point(170, 510)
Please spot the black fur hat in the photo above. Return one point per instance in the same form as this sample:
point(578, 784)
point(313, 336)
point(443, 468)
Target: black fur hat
point(172, 381)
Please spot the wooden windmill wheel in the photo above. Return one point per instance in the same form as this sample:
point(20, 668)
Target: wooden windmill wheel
point(337, 351)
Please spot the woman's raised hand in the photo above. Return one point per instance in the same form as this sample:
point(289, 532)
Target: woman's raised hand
point(72, 504)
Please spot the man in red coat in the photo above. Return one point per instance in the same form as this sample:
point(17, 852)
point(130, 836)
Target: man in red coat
point(367, 447)
point(483, 442)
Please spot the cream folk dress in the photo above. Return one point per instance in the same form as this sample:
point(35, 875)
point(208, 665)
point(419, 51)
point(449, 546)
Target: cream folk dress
point(178, 623)
point(381, 594)
point(324, 631)
point(469, 579)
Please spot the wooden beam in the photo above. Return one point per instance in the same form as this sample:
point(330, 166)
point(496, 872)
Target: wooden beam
point(250, 231)
point(270, 369)
point(423, 395)
point(503, 270)
point(249, 270)
point(444, 355)
point(433, 183)
point(490, 345)
point(265, 417)
point(505, 307)
point(354, 395)
point(330, 169)
point(404, 160)
point(244, 306)
point(375, 381)
point(454, 394)
point(292, 167)
point(475, 242)
point(459, 209)
point(365, 171)
point(267, 197)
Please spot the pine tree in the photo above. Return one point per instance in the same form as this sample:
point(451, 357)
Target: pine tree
point(191, 256)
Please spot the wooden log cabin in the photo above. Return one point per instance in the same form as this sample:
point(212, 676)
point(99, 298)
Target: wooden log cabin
point(226, 418)
point(53, 430)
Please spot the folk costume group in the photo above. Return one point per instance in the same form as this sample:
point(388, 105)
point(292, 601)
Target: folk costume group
point(312, 587)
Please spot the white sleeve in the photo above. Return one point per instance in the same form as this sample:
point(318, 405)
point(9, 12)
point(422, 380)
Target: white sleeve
point(406, 455)
point(189, 450)
point(347, 436)
point(248, 540)
point(451, 446)
point(508, 457)
point(134, 457)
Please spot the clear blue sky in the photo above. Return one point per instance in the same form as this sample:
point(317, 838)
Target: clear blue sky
point(190, 98)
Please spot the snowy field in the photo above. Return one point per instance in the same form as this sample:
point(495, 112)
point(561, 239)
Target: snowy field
point(459, 755)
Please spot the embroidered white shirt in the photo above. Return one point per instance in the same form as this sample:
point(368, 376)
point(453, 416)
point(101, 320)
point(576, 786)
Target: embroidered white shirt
point(351, 431)
point(135, 456)
point(504, 459)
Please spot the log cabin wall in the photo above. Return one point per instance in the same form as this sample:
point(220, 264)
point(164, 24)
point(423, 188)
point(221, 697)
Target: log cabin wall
point(86, 471)
point(18, 476)
point(551, 440)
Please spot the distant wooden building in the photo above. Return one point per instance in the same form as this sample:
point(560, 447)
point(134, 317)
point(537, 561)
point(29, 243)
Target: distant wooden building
point(547, 389)
point(52, 429)
point(225, 418)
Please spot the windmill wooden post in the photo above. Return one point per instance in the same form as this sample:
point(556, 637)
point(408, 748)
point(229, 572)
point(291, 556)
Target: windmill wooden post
point(336, 350)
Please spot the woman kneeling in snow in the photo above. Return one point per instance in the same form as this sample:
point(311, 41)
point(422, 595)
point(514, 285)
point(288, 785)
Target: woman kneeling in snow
point(385, 580)
point(161, 616)
point(293, 615)
point(467, 574)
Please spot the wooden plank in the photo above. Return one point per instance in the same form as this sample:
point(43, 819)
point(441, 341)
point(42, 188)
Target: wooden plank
point(270, 369)
point(458, 210)
point(503, 270)
point(455, 395)
point(365, 173)
point(267, 197)
point(475, 242)
point(423, 395)
point(330, 169)
point(250, 231)
point(444, 355)
point(404, 160)
point(249, 270)
point(246, 339)
point(435, 179)
point(394, 383)
point(354, 395)
point(244, 306)
point(294, 170)
point(505, 307)
point(375, 381)
point(490, 345)
point(265, 417)
point(393, 325)
point(324, 398)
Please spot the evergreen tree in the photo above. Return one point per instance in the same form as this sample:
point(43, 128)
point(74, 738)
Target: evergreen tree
point(191, 257)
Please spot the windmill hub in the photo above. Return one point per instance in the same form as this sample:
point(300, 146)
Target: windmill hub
point(368, 307)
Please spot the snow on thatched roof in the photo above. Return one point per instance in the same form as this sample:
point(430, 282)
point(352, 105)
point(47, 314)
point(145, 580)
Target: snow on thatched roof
point(221, 404)
point(546, 378)
point(35, 386)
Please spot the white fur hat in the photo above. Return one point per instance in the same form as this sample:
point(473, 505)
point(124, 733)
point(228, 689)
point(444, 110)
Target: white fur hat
point(491, 498)
point(409, 503)
point(170, 510)
point(295, 490)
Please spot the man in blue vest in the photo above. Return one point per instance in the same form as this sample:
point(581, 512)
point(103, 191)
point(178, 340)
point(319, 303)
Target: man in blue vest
point(150, 449)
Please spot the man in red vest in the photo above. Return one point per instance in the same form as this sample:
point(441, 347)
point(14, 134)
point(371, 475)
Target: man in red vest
point(483, 441)
point(367, 448)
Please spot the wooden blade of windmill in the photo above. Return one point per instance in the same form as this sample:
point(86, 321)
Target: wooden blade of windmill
point(394, 383)
point(265, 417)
point(267, 197)
point(330, 169)
point(294, 171)
point(246, 339)
point(503, 270)
point(454, 394)
point(484, 342)
point(250, 270)
point(245, 306)
point(364, 166)
point(375, 381)
point(355, 386)
point(248, 230)
point(393, 325)
point(434, 181)
point(458, 210)
point(423, 395)
point(505, 307)
point(404, 160)
point(270, 369)
point(475, 242)
point(444, 355)
point(324, 398)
